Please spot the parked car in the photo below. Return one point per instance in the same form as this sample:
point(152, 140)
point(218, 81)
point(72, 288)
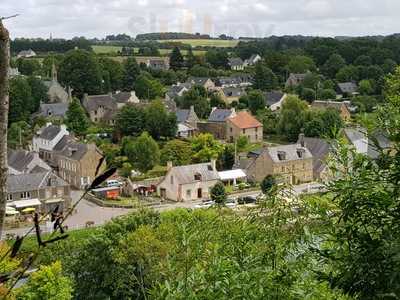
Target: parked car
point(205, 204)
point(230, 203)
point(113, 183)
point(247, 200)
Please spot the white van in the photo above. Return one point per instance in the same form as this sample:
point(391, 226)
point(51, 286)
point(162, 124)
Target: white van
point(112, 183)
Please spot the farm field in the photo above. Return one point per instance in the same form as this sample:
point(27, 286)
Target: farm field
point(106, 49)
point(205, 42)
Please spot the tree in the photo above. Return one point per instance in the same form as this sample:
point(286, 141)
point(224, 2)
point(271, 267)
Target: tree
point(292, 118)
point(19, 135)
point(241, 143)
point(130, 120)
point(81, 71)
point(216, 101)
point(114, 71)
point(148, 88)
point(307, 94)
point(327, 94)
point(199, 71)
point(256, 101)
point(38, 92)
point(21, 101)
point(365, 87)
point(227, 158)
point(205, 148)
point(301, 64)
point(218, 58)
point(76, 119)
point(131, 72)
point(4, 104)
point(143, 152)
point(47, 283)
point(333, 65)
point(190, 58)
point(264, 78)
point(197, 97)
point(218, 194)
point(347, 73)
point(28, 66)
point(267, 184)
point(159, 122)
point(176, 59)
point(178, 152)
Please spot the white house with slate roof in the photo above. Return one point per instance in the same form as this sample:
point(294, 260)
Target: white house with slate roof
point(187, 183)
point(236, 64)
point(274, 100)
point(26, 53)
point(47, 138)
point(187, 122)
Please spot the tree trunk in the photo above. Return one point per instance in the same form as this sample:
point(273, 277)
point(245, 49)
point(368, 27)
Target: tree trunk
point(4, 90)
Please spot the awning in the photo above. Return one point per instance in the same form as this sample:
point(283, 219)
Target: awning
point(232, 174)
point(26, 203)
point(56, 200)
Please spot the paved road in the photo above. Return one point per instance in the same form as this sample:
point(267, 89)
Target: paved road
point(88, 211)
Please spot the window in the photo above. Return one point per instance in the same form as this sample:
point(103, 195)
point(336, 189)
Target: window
point(256, 129)
point(283, 169)
point(188, 193)
point(172, 179)
point(231, 129)
point(25, 195)
point(197, 176)
point(9, 197)
point(244, 131)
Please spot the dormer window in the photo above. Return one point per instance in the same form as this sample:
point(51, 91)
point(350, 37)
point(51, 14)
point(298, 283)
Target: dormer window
point(281, 155)
point(300, 153)
point(197, 177)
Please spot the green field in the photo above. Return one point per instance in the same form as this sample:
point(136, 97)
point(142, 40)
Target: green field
point(205, 43)
point(105, 49)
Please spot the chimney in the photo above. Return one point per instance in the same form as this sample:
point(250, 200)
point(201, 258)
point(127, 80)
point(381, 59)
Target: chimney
point(192, 109)
point(301, 140)
point(214, 164)
point(169, 165)
point(233, 112)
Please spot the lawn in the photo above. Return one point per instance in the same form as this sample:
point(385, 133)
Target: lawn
point(101, 49)
point(205, 42)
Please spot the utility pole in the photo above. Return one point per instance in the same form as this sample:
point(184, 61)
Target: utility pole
point(4, 98)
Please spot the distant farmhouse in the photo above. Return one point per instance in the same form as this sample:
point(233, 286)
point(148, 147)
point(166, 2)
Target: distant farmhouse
point(274, 100)
point(255, 58)
point(236, 64)
point(26, 54)
point(295, 79)
point(341, 107)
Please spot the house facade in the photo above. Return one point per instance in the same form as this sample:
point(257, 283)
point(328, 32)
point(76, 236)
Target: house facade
point(236, 64)
point(216, 123)
point(341, 107)
point(274, 100)
point(43, 191)
point(295, 79)
point(188, 183)
point(232, 94)
point(244, 124)
point(205, 82)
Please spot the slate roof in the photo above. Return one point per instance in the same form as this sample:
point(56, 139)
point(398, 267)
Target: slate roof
point(32, 181)
point(91, 103)
point(185, 174)
point(273, 97)
point(122, 97)
point(235, 80)
point(19, 159)
point(348, 87)
point(50, 132)
point(74, 150)
point(197, 80)
point(245, 120)
point(328, 104)
point(319, 149)
point(233, 92)
point(63, 142)
point(235, 62)
point(219, 115)
point(182, 115)
point(53, 109)
point(174, 90)
point(291, 152)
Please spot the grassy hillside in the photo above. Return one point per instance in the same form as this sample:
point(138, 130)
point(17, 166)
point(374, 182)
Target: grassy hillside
point(105, 49)
point(205, 43)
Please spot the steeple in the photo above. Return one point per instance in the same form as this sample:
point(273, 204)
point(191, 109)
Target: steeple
point(54, 72)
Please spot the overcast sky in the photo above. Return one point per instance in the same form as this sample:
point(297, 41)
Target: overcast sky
point(260, 18)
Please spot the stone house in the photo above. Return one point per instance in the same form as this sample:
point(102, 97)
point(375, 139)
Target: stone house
point(205, 82)
point(216, 123)
point(52, 111)
point(295, 79)
point(25, 162)
point(347, 89)
point(236, 64)
point(252, 60)
point(244, 124)
point(237, 80)
point(187, 183)
point(187, 122)
point(341, 107)
point(42, 190)
point(274, 100)
point(292, 164)
point(231, 94)
point(46, 139)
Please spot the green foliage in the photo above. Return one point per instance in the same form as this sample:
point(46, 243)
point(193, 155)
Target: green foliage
point(176, 59)
point(28, 66)
point(21, 101)
point(218, 194)
point(114, 71)
point(267, 184)
point(291, 120)
point(205, 148)
point(143, 152)
point(197, 97)
point(264, 78)
point(130, 121)
point(307, 94)
point(365, 87)
point(327, 94)
point(216, 101)
point(226, 159)
point(178, 152)
point(19, 135)
point(218, 58)
point(301, 64)
point(333, 65)
point(159, 122)
point(47, 283)
point(148, 88)
point(256, 101)
point(39, 92)
point(131, 72)
point(347, 73)
point(76, 119)
point(81, 71)
point(241, 143)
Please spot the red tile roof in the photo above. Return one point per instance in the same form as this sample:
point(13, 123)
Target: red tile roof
point(245, 120)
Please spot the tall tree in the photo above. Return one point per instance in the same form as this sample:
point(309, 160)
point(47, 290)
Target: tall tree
point(146, 87)
point(197, 97)
point(176, 59)
point(81, 71)
point(159, 122)
point(218, 194)
point(264, 78)
point(21, 101)
point(4, 66)
point(115, 72)
point(256, 101)
point(333, 65)
point(292, 118)
point(178, 152)
point(130, 120)
point(131, 72)
point(76, 119)
point(190, 58)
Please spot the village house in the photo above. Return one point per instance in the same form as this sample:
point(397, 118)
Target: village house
point(244, 124)
point(252, 60)
point(347, 89)
point(341, 107)
point(52, 111)
point(176, 91)
point(154, 62)
point(237, 80)
point(187, 122)
point(274, 100)
point(77, 162)
point(42, 191)
point(26, 54)
point(231, 94)
point(292, 164)
point(236, 64)
point(216, 123)
point(205, 82)
point(25, 162)
point(295, 79)
point(190, 182)
point(103, 108)
point(46, 139)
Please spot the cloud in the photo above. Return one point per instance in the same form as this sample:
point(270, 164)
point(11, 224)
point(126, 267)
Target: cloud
point(97, 18)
